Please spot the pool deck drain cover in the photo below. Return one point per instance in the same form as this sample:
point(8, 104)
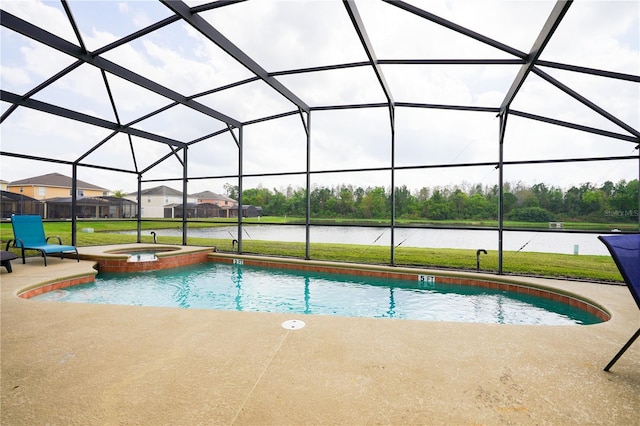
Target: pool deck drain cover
point(293, 324)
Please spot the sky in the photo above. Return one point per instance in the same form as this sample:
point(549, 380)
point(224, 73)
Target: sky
point(284, 35)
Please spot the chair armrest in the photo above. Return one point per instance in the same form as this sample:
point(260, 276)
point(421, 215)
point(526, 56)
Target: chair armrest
point(58, 238)
point(9, 243)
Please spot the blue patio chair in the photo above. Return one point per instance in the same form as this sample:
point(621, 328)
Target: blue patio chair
point(28, 233)
point(625, 251)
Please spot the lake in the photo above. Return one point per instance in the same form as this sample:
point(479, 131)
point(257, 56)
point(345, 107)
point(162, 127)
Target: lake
point(545, 242)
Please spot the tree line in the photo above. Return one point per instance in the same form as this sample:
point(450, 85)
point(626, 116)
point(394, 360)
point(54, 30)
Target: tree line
point(610, 202)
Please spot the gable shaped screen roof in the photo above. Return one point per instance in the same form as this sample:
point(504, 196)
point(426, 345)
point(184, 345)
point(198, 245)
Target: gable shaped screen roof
point(211, 78)
point(321, 92)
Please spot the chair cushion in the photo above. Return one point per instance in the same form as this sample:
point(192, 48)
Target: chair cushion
point(51, 248)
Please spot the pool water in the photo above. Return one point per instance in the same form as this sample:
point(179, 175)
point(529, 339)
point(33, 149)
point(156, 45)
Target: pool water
point(248, 288)
point(142, 256)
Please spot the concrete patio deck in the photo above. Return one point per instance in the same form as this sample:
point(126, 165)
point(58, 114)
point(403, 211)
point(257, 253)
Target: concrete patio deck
point(70, 363)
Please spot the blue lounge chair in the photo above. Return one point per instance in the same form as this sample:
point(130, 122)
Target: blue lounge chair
point(625, 251)
point(28, 233)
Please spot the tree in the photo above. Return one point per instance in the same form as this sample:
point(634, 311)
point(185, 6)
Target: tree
point(276, 205)
point(375, 204)
point(509, 201)
point(531, 214)
point(319, 199)
point(593, 201)
point(572, 202)
point(623, 204)
point(477, 207)
point(556, 202)
point(459, 201)
point(346, 205)
point(423, 194)
point(231, 191)
point(538, 203)
point(297, 203)
point(437, 208)
point(541, 192)
point(404, 200)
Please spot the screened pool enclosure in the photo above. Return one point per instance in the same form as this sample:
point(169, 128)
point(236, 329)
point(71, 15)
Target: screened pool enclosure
point(301, 95)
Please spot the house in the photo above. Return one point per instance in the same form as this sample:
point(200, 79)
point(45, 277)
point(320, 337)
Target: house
point(225, 203)
point(165, 202)
point(91, 207)
point(213, 198)
point(50, 196)
point(54, 185)
point(154, 200)
point(194, 210)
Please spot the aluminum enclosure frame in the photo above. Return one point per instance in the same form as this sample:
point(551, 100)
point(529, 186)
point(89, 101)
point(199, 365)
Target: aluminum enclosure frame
point(529, 62)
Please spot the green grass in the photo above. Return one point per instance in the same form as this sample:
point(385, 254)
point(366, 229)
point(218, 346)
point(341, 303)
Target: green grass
point(600, 268)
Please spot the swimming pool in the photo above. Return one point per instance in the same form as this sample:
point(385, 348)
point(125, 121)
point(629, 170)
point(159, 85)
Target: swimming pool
point(222, 286)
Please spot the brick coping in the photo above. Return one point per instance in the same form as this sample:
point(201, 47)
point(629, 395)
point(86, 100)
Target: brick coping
point(56, 285)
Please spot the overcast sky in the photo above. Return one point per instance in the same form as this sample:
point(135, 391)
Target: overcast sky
point(282, 35)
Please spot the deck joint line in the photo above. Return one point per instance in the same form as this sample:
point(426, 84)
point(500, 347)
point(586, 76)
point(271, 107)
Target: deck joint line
point(259, 379)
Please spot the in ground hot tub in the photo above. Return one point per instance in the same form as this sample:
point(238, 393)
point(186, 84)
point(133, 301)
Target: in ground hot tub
point(144, 254)
point(144, 257)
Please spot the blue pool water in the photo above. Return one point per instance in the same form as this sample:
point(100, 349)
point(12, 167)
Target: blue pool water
point(246, 288)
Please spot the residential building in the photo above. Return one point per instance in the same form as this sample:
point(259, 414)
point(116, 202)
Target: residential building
point(50, 196)
point(165, 202)
point(194, 210)
point(213, 198)
point(54, 185)
point(228, 206)
point(154, 200)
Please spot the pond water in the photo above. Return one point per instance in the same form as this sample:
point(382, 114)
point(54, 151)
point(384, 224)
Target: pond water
point(544, 242)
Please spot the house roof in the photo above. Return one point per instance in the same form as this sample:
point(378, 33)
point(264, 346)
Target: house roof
point(158, 190)
point(164, 190)
point(209, 195)
point(194, 205)
point(56, 180)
